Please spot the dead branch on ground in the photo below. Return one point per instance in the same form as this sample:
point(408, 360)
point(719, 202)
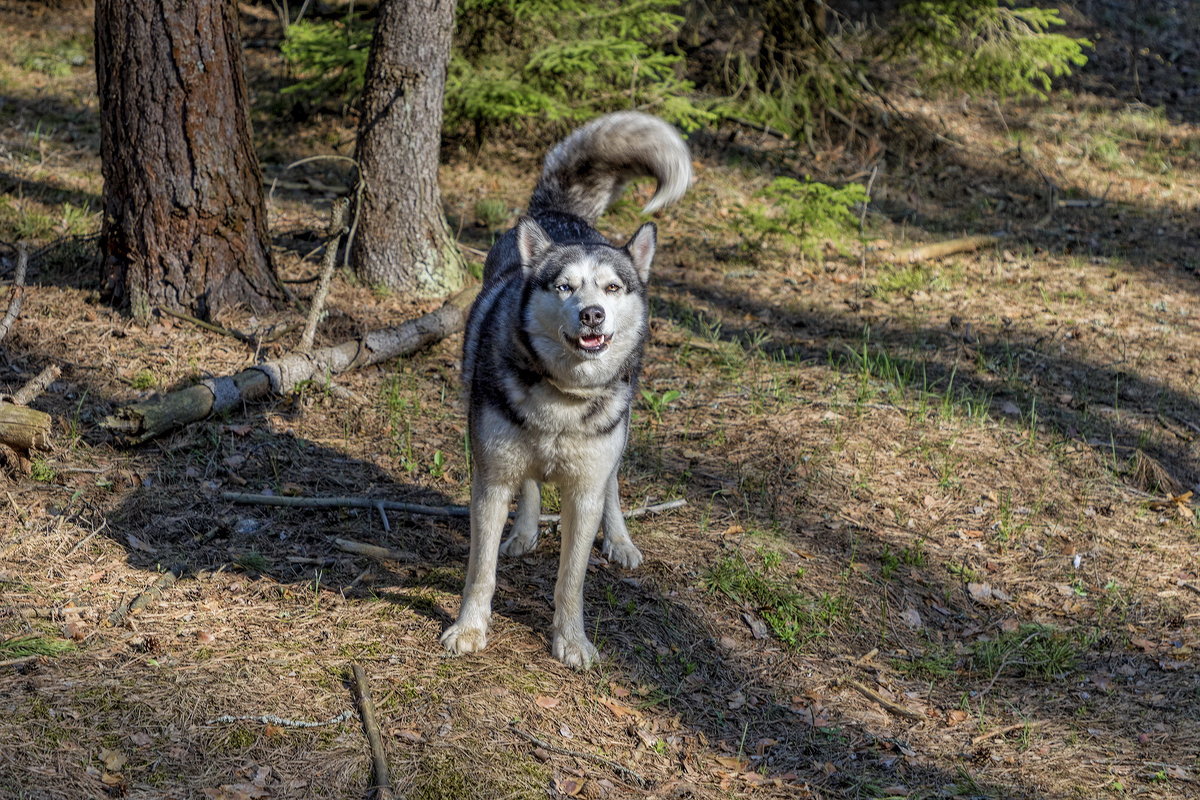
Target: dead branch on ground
point(16, 295)
point(338, 219)
point(36, 385)
point(936, 250)
point(407, 508)
point(143, 421)
point(366, 711)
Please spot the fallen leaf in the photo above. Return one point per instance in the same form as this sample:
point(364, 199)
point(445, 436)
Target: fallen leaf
point(204, 637)
point(545, 701)
point(565, 732)
point(571, 787)
point(112, 760)
point(736, 700)
point(911, 617)
point(955, 716)
point(1102, 682)
point(619, 709)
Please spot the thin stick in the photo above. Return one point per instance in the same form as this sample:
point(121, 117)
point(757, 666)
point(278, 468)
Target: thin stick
point(17, 294)
point(387, 526)
point(209, 326)
point(337, 227)
point(408, 508)
point(29, 392)
point(366, 710)
point(282, 722)
point(875, 697)
point(614, 766)
point(983, 737)
point(374, 551)
point(155, 590)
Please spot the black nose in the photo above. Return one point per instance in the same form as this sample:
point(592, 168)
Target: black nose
point(592, 316)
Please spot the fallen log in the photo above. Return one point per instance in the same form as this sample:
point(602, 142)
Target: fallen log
point(23, 428)
point(143, 421)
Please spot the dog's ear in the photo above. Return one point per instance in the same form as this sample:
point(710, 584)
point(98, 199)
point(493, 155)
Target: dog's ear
point(532, 241)
point(641, 249)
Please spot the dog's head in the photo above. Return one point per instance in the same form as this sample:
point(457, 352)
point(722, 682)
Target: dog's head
point(586, 302)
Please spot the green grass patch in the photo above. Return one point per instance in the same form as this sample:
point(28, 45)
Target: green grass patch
point(1037, 651)
point(793, 617)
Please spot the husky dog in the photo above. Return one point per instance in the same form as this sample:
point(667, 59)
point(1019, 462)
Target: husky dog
point(551, 355)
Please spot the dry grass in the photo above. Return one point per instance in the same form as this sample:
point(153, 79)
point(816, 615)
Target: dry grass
point(947, 485)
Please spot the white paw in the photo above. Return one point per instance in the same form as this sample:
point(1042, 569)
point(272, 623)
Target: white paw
point(460, 639)
point(623, 554)
point(518, 544)
point(576, 652)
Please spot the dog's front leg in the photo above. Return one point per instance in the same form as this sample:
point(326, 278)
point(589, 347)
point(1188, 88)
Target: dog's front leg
point(489, 509)
point(582, 508)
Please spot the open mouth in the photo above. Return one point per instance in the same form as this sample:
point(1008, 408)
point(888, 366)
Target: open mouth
point(593, 342)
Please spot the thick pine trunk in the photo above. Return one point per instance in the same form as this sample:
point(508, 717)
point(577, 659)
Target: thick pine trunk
point(403, 241)
point(184, 219)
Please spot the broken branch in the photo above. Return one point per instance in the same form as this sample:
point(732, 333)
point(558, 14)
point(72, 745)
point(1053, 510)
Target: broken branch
point(29, 392)
point(875, 697)
point(407, 508)
point(143, 421)
point(366, 711)
point(338, 215)
point(936, 250)
point(18, 291)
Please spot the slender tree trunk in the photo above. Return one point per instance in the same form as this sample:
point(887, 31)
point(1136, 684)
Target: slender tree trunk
point(402, 240)
point(184, 219)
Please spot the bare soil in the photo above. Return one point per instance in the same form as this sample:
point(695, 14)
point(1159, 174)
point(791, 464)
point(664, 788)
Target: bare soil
point(965, 480)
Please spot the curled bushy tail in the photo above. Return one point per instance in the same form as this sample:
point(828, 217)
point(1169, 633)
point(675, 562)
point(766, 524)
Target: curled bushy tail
point(587, 171)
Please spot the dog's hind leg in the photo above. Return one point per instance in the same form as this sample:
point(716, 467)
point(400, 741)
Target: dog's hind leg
point(582, 508)
point(618, 547)
point(489, 508)
point(524, 535)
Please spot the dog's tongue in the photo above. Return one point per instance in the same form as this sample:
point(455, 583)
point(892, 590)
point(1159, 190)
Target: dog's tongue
point(591, 341)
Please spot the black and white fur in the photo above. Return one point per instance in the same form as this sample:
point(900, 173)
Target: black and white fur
point(551, 356)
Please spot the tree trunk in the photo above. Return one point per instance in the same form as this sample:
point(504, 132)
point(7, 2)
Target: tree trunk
point(403, 241)
point(184, 219)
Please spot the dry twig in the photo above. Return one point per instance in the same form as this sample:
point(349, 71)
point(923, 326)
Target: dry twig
point(18, 291)
point(374, 551)
point(875, 697)
point(992, 734)
point(366, 711)
point(614, 766)
point(338, 217)
point(408, 508)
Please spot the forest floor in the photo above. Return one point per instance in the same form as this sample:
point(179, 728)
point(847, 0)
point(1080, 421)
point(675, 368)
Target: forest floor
point(937, 540)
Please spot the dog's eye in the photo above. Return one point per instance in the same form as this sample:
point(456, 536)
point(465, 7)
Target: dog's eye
point(612, 288)
point(563, 288)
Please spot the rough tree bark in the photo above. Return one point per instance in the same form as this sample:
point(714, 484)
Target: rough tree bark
point(184, 219)
point(402, 238)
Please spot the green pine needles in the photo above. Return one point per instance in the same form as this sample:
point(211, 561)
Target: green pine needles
point(801, 215)
point(516, 60)
point(329, 58)
point(982, 46)
point(565, 60)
